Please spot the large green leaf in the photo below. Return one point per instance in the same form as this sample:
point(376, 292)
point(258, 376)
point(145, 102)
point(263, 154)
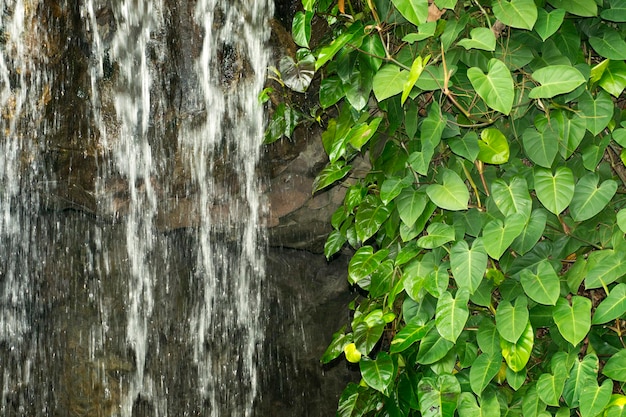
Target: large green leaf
point(411, 204)
point(364, 262)
point(594, 399)
point(331, 91)
point(555, 80)
point(541, 146)
point(589, 199)
point(493, 147)
point(495, 87)
point(452, 194)
point(480, 38)
point(511, 320)
point(516, 13)
point(392, 187)
point(585, 8)
point(415, 11)
point(452, 314)
point(604, 267)
point(555, 191)
point(570, 131)
point(610, 44)
point(467, 146)
point(498, 236)
point(413, 332)
point(517, 354)
point(371, 214)
point(615, 367)
point(489, 406)
point(389, 81)
point(616, 12)
point(483, 370)
point(438, 397)
point(532, 406)
point(367, 335)
point(532, 232)
point(437, 234)
point(329, 175)
point(573, 321)
point(613, 78)
point(432, 127)
point(327, 52)
point(360, 134)
point(583, 373)
point(301, 28)
point(432, 348)
point(612, 307)
point(356, 401)
point(378, 373)
point(335, 348)
point(542, 287)
point(597, 113)
point(548, 22)
point(550, 386)
point(468, 265)
point(512, 198)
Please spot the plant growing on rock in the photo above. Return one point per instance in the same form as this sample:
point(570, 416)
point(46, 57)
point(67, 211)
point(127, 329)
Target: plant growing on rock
point(488, 235)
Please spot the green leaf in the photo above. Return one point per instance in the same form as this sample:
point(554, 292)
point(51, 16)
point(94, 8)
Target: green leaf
point(326, 53)
point(621, 220)
point(329, 175)
point(542, 287)
point(432, 127)
point(610, 45)
point(532, 232)
point(425, 31)
point(438, 397)
point(613, 78)
point(370, 216)
point(589, 199)
point(532, 406)
point(550, 386)
point(585, 8)
point(335, 241)
point(411, 204)
point(378, 373)
point(374, 52)
point(616, 12)
point(494, 148)
point(615, 367)
point(360, 134)
point(413, 332)
point(437, 235)
point(570, 131)
point(467, 147)
point(364, 262)
point(496, 87)
point(548, 23)
point(331, 91)
point(452, 194)
point(594, 399)
point(301, 28)
point(498, 236)
point(356, 401)
point(392, 187)
point(604, 267)
point(415, 11)
point(541, 146)
point(583, 374)
point(468, 265)
point(480, 38)
point(555, 80)
point(520, 14)
point(483, 370)
point(417, 68)
point(597, 113)
point(573, 321)
point(612, 307)
point(452, 314)
point(555, 191)
point(358, 88)
point(512, 198)
point(517, 354)
point(489, 406)
point(335, 348)
point(511, 320)
point(389, 81)
point(432, 348)
point(368, 331)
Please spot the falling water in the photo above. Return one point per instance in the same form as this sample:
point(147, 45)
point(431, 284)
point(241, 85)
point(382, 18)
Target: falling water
point(134, 288)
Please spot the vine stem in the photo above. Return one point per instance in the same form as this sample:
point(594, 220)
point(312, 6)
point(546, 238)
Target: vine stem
point(473, 184)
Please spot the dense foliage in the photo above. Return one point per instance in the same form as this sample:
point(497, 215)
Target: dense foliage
point(488, 235)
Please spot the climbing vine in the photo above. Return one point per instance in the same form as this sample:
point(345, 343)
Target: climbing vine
point(488, 234)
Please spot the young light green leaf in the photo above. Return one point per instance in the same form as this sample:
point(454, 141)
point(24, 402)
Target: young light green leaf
point(597, 113)
point(452, 194)
point(541, 146)
point(480, 38)
point(378, 373)
point(511, 320)
point(512, 198)
point(584, 373)
point(516, 13)
point(364, 262)
point(573, 321)
point(468, 265)
point(417, 68)
point(612, 307)
point(496, 87)
point(415, 11)
point(548, 23)
point(392, 187)
point(452, 314)
point(517, 354)
point(437, 235)
point(555, 80)
point(542, 287)
point(589, 199)
point(494, 148)
point(555, 191)
point(389, 81)
point(594, 399)
point(483, 370)
point(613, 78)
point(498, 236)
point(615, 367)
point(360, 134)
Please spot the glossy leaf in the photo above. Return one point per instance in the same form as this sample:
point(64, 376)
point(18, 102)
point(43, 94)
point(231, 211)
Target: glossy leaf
point(594, 399)
point(410, 334)
point(367, 335)
point(613, 78)
point(327, 52)
point(468, 265)
point(548, 22)
point(573, 321)
point(513, 197)
point(555, 191)
point(415, 11)
point(517, 354)
point(493, 147)
point(531, 233)
point(417, 68)
point(511, 320)
point(452, 314)
point(604, 267)
point(542, 287)
point(550, 386)
point(555, 80)
point(356, 401)
point(437, 234)
point(612, 307)
point(583, 8)
point(489, 406)
point(452, 194)
point(336, 346)
point(483, 370)
point(389, 81)
point(411, 205)
point(301, 28)
point(370, 217)
point(516, 13)
point(331, 174)
point(480, 38)
point(438, 397)
point(498, 236)
point(331, 91)
point(590, 199)
point(570, 131)
point(364, 262)
point(584, 373)
point(392, 187)
point(495, 87)
point(615, 367)
point(378, 373)
point(432, 348)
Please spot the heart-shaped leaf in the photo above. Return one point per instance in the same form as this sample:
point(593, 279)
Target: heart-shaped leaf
point(378, 373)
point(555, 191)
point(573, 321)
point(301, 28)
point(517, 354)
point(610, 44)
point(584, 373)
point(550, 386)
point(555, 80)
point(330, 174)
point(369, 218)
point(331, 91)
point(516, 13)
point(532, 232)
point(597, 113)
point(389, 81)
point(498, 236)
point(415, 11)
point(432, 348)
point(468, 265)
point(589, 199)
point(452, 314)
point(615, 367)
point(542, 287)
point(548, 23)
point(452, 194)
point(511, 320)
point(578, 7)
point(489, 405)
point(613, 78)
point(512, 198)
point(570, 131)
point(496, 87)
point(437, 235)
point(297, 75)
point(494, 148)
point(604, 267)
point(483, 370)
point(413, 332)
point(612, 307)
point(541, 146)
point(438, 397)
point(467, 146)
point(594, 399)
point(411, 204)
point(480, 38)
point(364, 262)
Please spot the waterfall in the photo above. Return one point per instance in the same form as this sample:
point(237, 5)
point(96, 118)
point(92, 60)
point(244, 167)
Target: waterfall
point(132, 242)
